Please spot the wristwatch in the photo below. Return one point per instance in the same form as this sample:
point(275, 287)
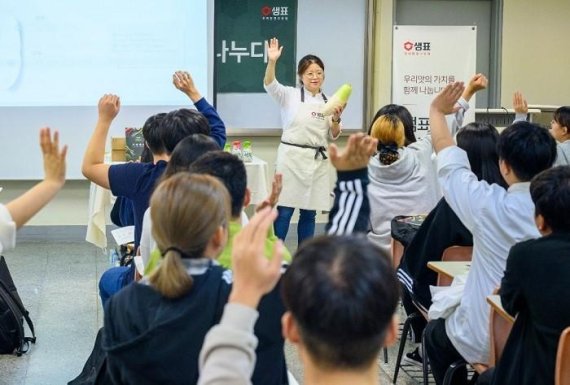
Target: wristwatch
point(336, 121)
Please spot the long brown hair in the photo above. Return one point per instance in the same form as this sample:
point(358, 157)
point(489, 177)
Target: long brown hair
point(186, 211)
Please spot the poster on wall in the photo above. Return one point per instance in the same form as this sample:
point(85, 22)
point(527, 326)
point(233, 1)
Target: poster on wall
point(240, 31)
point(425, 60)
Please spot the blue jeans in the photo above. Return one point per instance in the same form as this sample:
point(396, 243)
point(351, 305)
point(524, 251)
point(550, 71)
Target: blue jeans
point(114, 280)
point(305, 228)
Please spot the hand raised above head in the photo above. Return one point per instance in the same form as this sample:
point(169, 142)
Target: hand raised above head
point(444, 102)
point(478, 82)
point(519, 103)
point(273, 49)
point(109, 106)
point(356, 154)
point(54, 159)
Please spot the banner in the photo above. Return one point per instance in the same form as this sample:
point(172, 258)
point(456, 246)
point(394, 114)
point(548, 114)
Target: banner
point(241, 28)
point(425, 60)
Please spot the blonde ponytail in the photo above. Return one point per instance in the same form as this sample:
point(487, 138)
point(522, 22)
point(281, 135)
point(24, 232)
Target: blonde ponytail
point(186, 211)
point(171, 278)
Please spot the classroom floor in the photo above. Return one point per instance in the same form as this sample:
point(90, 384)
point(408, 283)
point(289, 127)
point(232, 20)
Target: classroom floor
point(56, 273)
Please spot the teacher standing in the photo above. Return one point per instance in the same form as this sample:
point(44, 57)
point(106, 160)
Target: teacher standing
point(301, 156)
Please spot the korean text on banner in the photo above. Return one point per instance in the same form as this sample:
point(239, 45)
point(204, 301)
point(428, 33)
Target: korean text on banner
point(241, 29)
point(425, 60)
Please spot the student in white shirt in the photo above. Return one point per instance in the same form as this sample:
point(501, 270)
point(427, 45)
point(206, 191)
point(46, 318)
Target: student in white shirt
point(497, 219)
point(15, 214)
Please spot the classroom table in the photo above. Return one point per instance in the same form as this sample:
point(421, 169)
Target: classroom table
point(449, 268)
point(101, 200)
point(495, 302)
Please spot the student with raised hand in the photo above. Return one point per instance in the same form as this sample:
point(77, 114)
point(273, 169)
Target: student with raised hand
point(442, 228)
point(496, 217)
point(136, 181)
point(535, 287)
point(403, 176)
point(339, 331)
point(17, 212)
point(559, 127)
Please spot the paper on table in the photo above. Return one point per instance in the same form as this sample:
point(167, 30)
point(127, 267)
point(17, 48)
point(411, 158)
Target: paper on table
point(124, 235)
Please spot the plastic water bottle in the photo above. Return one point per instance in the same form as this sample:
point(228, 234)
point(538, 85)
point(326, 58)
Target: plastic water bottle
point(114, 259)
point(236, 149)
point(246, 152)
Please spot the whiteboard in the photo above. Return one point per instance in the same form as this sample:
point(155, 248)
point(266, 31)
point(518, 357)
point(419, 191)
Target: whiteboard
point(58, 58)
point(335, 31)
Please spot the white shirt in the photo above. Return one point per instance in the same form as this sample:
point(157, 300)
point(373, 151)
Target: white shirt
point(7, 230)
point(289, 99)
point(498, 219)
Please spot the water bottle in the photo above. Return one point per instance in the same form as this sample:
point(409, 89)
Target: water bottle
point(114, 259)
point(236, 149)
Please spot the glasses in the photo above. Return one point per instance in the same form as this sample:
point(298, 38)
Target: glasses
point(312, 75)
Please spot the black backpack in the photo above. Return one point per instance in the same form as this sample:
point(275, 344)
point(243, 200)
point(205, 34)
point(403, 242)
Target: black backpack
point(12, 315)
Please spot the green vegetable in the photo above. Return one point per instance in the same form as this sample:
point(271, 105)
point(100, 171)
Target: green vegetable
point(339, 99)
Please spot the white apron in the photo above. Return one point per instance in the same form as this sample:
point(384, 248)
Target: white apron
point(305, 172)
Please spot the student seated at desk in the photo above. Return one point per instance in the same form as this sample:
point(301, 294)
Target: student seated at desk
point(340, 293)
point(496, 217)
point(402, 177)
point(535, 288)
point(136, 181)
point(20, 210)
point(442, 228)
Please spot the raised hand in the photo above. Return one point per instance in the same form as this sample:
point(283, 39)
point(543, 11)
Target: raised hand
point(273, 49)
point(54, 159)
point(444, 102)
point(273, 198)
point(183, 81)
point(519, 103)
point(477, 83)
point(253, 274)
point(357, 153)
point(109, 106)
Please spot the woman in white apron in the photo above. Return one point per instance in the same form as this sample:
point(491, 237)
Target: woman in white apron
point(301, 156)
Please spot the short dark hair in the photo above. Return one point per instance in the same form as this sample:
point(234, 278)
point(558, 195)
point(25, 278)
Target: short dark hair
point(562, 116)
point(305, 62)
point(479, 140)
point(178, 124)
point(550, 192)
point(151, 133)
point(405, 116)
point(187, 151)
point(342, 292)
point(527, 148)
point(230, 170)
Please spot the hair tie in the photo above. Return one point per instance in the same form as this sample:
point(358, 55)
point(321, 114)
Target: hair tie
point(388, 153)
point(174, 248)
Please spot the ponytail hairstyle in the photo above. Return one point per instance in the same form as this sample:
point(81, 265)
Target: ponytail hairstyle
point(186, 212)
point(389, 130)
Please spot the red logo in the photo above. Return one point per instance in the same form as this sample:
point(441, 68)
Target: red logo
point(408, 45)
point(266, 10)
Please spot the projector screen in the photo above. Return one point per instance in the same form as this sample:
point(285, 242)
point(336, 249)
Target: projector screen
point(58, 58)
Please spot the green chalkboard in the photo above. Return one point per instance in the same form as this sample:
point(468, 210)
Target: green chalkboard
point(241, 28)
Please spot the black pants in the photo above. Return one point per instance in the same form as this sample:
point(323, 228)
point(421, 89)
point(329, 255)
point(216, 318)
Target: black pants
point(441, 353)
point(418, 324)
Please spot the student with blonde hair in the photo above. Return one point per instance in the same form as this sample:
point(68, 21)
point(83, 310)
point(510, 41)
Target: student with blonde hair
point(402, 177)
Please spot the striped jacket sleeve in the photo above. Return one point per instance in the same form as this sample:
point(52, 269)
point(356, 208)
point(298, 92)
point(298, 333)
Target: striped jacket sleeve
point(351, 209)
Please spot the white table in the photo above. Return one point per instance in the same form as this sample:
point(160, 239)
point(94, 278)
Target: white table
point(101, 200)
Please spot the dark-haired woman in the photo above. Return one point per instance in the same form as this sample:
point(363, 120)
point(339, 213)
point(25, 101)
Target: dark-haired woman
point(301, 156)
